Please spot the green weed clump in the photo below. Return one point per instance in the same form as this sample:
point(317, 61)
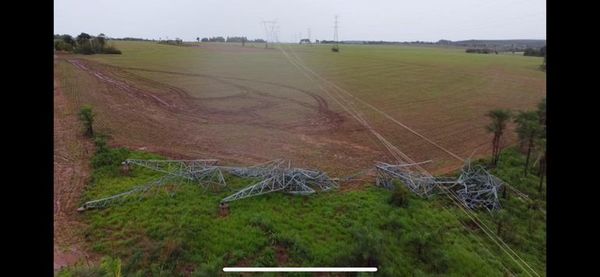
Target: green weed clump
point(400, 195)
point(111, 50)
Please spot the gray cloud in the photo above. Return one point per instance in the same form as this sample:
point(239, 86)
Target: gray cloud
point(428, 20)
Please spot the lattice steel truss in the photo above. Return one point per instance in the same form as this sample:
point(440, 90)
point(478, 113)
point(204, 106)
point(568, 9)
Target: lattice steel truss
point(276, 176)
point(422, 184)
point(205, 173)
point(123, 196)
point(475, 187)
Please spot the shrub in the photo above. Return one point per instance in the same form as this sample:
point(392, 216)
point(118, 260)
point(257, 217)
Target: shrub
point(100, 142)
point(87, 117)
point(211, 268)
point(479, 51)
point(60, 45)
point(400, 195)
point(82, 271)
point(426, 247)
point(111, 50)
point(112, 158)
point(267, 259)
point(85, 48)
point(369, 244)
point(112, 266)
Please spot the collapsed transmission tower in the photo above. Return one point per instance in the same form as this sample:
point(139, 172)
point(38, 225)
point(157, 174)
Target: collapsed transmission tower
point(419, 183)
point(276, 176)
point(475, 187)
point(205, 173)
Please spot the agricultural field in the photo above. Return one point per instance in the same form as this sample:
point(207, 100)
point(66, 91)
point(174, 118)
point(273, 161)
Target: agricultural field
point(249, 105)
point(336, 112)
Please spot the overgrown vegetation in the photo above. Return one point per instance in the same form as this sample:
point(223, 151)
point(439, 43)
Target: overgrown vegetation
point(499, 118)
point(541, 52)
point(109, 267)
point(176, 228)
point(400, 194)
point(86, 115)
point(481, 50)
point(177, 42)
point(531, 130)
point(235, 39)
point(84, 44)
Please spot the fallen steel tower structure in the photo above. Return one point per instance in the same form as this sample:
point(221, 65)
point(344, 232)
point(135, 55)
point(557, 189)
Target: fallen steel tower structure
point(475, 187)
point(274, 176)
point(205, 173)
point(278, 177)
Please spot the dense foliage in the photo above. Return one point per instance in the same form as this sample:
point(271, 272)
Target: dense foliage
point(535, 52)
point(84, 44)
point(481, 50)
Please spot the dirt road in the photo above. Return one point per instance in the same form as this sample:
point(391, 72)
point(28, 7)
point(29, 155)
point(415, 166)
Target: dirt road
point(71, 171)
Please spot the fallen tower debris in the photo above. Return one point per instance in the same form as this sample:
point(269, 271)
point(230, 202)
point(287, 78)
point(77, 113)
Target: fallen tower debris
point(275, 176)
point(475, 187)
point(278, 177)
point(205, 173)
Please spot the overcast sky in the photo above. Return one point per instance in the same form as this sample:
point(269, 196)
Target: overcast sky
point(391, 20)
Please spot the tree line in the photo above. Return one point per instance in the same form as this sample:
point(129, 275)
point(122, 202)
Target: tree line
point(84, 44)
point(531, 131)
point(481, 50)
point(535, 52)
point(230, 39)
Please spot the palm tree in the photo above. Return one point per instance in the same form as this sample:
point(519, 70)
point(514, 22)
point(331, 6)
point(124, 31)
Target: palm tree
point(540, 146)
point(499, 119)
point(542, 112)
point(528, 129)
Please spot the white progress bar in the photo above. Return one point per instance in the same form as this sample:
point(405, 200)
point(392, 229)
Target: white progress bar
point(300, 269)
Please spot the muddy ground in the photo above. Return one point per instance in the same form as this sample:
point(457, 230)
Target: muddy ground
point(72, 153)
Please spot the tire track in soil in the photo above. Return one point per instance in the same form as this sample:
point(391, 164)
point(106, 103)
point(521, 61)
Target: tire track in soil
point(71, 172)
point(330, 118)
point(180, 123)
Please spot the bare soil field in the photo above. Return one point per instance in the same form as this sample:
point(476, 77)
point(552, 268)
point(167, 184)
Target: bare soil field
point(249, 105)
point(71, 171)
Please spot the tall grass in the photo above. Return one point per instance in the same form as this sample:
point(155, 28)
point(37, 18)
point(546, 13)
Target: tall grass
point(177, 228)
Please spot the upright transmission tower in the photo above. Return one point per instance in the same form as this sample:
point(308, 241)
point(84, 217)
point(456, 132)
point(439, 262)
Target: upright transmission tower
point(271, 30)
point(336, 47)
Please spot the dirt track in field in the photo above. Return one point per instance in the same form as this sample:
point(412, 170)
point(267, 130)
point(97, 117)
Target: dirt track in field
point(71, 172)
point(251, 123)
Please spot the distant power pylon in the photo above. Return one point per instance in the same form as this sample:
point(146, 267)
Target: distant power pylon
point(271, 30)
point(335, 48)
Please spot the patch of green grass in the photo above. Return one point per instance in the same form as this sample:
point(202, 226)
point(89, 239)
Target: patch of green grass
point(166, 234)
